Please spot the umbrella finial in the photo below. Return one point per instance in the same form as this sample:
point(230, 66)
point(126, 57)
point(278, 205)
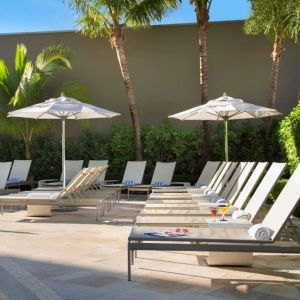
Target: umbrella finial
point(62, 96)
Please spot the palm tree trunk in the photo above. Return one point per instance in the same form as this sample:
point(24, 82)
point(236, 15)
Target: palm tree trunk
point(26, 139)
point(276, 54)
point(118, 43)
point(27, 150)
point(202, 24)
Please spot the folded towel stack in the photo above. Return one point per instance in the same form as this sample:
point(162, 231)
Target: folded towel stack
point(241, 215)
point(14, 180)
point(159, 183)
point(129, 182)
point(260, 232)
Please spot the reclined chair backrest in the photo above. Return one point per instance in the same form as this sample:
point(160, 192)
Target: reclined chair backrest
point(72, 168)
point(208, 173)
point(250, 185)
point(19, 171)
point(83, 180)
point(134, 172)
point(219, 172)
point(263, 190)
point(241, 181)
point(4, 172)
point(233, 180)
point(97, 163)
point(284, 205)
point(221, 182)
point(163, 173)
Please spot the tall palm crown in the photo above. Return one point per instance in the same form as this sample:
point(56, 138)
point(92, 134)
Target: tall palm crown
point(278, 20)
point(108, 18)
point(26, 85)
point(100, 17)
point(276, 17)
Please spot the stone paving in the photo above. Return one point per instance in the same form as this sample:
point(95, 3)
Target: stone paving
point(70, 256)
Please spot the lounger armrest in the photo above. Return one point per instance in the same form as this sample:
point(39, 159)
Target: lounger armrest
point(180, 183)
point(111, 181)
point(44, 182)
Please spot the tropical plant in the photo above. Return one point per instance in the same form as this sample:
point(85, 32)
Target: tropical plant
point(109, 18)
point(202, 8)
point(277, 20)
point(289, 137)
point(26, 85)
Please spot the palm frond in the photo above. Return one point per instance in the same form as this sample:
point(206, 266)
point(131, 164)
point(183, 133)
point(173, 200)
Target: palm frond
point(53, 58)
point(6, 84)
point(142, 13)
point(274, 17)
point(20, 59)
point(36, 127)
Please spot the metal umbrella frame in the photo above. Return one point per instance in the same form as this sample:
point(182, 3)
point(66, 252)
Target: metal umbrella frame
point(225, 108)
point(63, 108)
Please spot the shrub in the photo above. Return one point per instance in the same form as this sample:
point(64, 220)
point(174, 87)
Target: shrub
point(289, 137)
point(160, 143)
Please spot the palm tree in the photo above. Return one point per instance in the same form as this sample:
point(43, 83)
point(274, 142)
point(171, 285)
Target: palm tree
point(109, 18)
point(202, 8)
point(277, 20)
point(25, 85)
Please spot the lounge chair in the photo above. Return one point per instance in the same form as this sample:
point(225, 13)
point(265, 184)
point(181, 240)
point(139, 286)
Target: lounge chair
point(72, 168)
point(4, 173)
point(97, 163)
point(162, 176)
point(77, 193)
point(133, 174)
point(190, 215)
point(161, 192)
point(234, 188)
point(19, 174)
point(205, 177)
point(227, 245)
point(222, 186)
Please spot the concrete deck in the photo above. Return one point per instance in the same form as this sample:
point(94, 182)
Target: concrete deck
point(70, 256)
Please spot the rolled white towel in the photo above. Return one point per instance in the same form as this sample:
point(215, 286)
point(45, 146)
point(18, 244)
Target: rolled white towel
point(260, 232)
point(241, 215)
point(208, 191)
point(220, 201)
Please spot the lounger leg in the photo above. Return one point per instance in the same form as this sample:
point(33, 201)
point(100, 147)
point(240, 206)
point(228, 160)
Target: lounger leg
point(129, 265)
point(1, 209)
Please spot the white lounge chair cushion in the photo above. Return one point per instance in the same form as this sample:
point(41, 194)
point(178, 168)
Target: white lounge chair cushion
point(241, 215)
point(46, 195)
point(260, 232)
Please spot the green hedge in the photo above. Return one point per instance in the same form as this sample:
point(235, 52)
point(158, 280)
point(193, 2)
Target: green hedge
point(289, 137)
point(160, 143)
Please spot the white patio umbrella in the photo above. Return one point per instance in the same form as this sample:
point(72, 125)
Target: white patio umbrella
point(223, 109)
point(62, 108)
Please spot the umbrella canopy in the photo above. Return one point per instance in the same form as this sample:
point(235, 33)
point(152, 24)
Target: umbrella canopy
point(62, 108)
point(223, 109)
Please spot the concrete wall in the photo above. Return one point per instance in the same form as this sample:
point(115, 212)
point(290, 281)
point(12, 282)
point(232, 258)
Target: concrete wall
point(163, 62)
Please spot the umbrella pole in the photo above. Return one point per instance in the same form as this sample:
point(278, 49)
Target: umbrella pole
point(63, 150)
point(226, 139)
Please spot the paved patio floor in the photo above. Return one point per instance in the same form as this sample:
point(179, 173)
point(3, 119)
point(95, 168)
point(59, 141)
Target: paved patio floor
point(70, 256)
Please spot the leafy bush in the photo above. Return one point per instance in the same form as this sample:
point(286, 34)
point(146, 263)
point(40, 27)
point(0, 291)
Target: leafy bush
point(289, 137)
point(160, 143)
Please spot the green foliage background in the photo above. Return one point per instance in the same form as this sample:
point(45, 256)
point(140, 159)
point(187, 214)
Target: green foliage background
point(160, 143)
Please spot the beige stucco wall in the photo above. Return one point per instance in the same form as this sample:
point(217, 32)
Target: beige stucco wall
point(163, 62)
